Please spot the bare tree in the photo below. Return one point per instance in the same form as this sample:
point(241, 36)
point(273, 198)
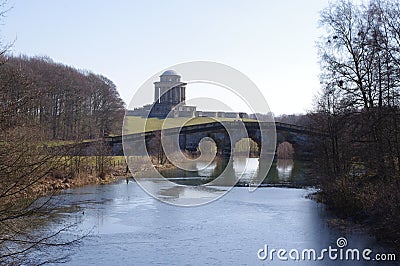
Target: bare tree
point(155, 149)
point(24, 163)
point(359, 108)
point(40, 102)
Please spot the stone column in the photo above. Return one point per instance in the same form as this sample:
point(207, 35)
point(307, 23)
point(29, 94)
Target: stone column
point(156, 94)
point(177, 95)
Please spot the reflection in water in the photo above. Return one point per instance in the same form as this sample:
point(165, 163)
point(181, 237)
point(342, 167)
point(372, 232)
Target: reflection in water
point(246, 167)
point(183, 187)
point(247, 171)
point(284, 167)
point(190, 194)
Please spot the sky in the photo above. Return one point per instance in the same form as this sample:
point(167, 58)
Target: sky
point(272, 42)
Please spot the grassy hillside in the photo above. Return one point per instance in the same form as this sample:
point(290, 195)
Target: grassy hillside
point(135, 124)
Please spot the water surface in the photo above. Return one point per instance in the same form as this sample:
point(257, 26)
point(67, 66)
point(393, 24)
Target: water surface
point(129, 227)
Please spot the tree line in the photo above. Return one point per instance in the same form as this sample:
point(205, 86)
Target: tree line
point(359, 109)
point(66, 103)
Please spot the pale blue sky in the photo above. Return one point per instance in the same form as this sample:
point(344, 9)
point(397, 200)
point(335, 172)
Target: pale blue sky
point(272, 42)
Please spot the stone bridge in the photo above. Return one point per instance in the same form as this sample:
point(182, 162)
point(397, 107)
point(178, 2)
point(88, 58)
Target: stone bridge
point(225, 135)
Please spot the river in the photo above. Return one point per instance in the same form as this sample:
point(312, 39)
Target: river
point(129, 227)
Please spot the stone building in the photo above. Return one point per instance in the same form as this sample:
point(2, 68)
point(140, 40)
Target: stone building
point(170, 96)
point(169, 101)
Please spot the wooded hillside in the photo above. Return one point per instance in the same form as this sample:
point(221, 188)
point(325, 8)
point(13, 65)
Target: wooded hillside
point(66, 103)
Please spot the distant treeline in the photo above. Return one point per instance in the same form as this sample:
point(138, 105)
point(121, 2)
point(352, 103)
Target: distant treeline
point(67, 103)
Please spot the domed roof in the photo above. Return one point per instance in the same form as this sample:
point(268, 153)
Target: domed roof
point(170, 72)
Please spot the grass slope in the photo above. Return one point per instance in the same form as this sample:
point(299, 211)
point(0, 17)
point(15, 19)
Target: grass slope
point(135, 124)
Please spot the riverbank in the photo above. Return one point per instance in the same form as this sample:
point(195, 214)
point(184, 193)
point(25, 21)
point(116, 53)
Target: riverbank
point(53, 183)
point(383, 227)
point(50, 184)
point(337, 222)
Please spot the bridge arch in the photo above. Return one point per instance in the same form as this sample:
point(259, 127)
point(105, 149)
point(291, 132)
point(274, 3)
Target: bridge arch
point(207, 147)
point(247, 146)
point(285, 150)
